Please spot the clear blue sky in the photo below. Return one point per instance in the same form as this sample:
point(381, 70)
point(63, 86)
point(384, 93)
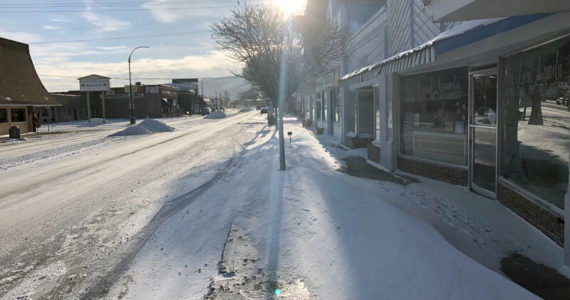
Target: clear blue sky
point(177, 32)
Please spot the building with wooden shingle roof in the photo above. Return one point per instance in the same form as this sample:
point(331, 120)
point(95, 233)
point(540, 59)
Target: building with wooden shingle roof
point(20, 87)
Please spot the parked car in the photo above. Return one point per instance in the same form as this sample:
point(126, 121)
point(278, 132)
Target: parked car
point(206, 111)
point(258, 107)
point(263, 110)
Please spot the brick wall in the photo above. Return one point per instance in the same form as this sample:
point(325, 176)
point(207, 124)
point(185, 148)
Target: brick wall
point(434, 171)
point(356, 142)
point(544, 220)
point(374, 153)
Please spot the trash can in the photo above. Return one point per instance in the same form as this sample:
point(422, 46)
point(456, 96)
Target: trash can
point(14, 132)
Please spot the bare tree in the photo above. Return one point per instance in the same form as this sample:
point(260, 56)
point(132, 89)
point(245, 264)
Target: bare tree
point(262, 38)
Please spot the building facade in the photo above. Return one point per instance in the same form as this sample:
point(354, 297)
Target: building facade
point(21, 90)
point(480, 103)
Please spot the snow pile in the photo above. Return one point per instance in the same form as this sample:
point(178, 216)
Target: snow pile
point(339, 234)
point(147, 126)
point(218, 114)
point(94, 122)
point(245, 109)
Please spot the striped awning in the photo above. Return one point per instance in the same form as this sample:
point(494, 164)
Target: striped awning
point(408, 60)
point(454, 38)
point(424, 54)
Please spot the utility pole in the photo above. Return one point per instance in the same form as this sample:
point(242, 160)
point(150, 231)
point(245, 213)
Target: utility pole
point(131, 103)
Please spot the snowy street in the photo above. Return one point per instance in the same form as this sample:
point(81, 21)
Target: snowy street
point(148, 217)
point(73, 205)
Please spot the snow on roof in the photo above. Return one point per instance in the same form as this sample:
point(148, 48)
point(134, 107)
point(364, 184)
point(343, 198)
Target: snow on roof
point(455, 31)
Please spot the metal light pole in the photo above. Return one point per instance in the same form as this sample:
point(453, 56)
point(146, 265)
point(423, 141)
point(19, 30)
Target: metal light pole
point(132, 103)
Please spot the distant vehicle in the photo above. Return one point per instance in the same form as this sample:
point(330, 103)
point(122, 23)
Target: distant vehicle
point(206, 111)
point(258, 107)
point(263, 110)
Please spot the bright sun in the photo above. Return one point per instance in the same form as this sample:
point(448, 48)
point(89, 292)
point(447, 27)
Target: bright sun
point(291, 7)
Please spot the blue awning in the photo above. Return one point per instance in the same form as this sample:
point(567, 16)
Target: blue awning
point(462, 35)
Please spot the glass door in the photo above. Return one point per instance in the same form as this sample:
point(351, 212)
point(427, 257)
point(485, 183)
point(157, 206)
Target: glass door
point(483, 133)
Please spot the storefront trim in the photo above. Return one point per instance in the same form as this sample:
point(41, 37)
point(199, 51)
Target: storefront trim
point(543, 219)
point(437, 171)
point(433, 162)
point(532, 197)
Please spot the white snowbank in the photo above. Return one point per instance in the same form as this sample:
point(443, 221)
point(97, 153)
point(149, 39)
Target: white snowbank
point(94, 123)
point(218, 114)
point(147, 126)
point(337, 233)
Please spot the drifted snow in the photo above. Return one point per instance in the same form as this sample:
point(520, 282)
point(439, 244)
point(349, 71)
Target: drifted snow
point(148, 126)
point(218, 114)
point(341, 236)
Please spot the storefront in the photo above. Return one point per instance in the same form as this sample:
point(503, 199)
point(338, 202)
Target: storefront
point(534, 138)
point(502, 129)
point(433, 139)
point(15, 116)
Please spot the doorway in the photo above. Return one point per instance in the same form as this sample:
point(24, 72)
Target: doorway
point(366, 113)
point(483, 133)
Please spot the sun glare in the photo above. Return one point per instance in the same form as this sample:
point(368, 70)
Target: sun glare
point(291, 7)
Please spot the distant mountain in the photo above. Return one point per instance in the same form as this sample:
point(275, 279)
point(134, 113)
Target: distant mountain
point(216, 87)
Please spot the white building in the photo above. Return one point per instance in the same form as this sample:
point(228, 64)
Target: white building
point(480, 103)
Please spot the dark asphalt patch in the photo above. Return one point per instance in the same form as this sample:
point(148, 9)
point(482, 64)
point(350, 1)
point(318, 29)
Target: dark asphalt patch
point(537, 278)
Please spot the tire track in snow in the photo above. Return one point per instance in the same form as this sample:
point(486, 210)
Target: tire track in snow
point(101, 288)
point(53, 244)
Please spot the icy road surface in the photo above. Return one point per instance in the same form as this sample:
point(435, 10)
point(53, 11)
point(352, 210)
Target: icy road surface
point(147, 217)
point(73, 205)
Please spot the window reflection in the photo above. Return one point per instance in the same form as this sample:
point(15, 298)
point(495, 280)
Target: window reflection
point(535, 136)
point(434, 116)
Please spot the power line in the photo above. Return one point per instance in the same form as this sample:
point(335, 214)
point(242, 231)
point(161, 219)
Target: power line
point(112, 10)
point(120, 37)
point(121, 7)
point(122, 4)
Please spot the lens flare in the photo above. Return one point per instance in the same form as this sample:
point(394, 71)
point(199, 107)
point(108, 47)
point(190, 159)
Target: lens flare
point(291, 7)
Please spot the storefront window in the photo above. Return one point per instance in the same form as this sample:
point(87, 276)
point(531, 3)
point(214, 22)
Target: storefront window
point(3, 115)
point(18, 115)
point(318, 108)
point(536, 120)
point(433, 114)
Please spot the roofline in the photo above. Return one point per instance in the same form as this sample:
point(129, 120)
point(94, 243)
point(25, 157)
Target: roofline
point(93, 75)
point(15, 42)
point(29, 57)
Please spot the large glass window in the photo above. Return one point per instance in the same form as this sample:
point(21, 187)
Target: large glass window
point(536, 120)
point(433, 114)
point(18, 115)
point(3, 115)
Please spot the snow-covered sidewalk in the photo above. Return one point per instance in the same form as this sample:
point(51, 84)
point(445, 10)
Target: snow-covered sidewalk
point(338, 234)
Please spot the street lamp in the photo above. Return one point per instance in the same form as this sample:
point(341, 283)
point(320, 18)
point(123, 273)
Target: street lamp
point(132, 103)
